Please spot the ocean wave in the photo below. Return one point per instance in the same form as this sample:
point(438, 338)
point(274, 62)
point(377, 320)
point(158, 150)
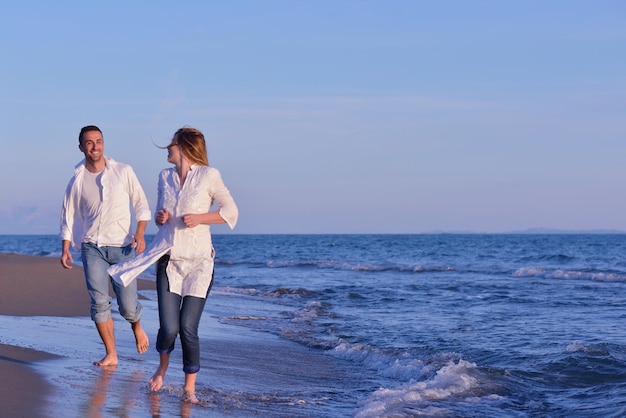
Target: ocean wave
point(311, 311)
point(456, 379)
point(588, 349)
point(35, 252)
point(559, 258)
point(339, 265)
point(387, 363)
point(276, 293)
point(569, 274)
point(246, 318)
point(528, 272)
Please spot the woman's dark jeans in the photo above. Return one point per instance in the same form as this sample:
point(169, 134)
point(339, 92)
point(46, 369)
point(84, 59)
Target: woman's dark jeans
point(178, 315)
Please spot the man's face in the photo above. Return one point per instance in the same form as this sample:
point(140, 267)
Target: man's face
point(92, 146)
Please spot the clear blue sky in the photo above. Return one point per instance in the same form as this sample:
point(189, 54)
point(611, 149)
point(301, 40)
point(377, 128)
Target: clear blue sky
point(329, 116)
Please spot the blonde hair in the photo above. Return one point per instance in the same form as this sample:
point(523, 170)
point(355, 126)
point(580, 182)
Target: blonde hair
point(192, 145)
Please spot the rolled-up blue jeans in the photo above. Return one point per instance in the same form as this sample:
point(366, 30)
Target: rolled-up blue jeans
point(178, 315)
point(96, 261)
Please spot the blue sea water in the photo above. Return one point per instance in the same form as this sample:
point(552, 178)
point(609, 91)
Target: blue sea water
point(450, 325)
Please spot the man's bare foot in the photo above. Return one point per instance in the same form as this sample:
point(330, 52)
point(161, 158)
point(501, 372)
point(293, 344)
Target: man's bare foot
point(141, 338)
point(156, 381)
point(190, 397)
point(108, 360)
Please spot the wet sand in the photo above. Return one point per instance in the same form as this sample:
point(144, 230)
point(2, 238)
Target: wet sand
point(27, 392)
point(245, 372)
point(35, 286)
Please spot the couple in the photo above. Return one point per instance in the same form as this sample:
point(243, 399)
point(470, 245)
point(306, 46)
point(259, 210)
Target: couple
point(96, 219)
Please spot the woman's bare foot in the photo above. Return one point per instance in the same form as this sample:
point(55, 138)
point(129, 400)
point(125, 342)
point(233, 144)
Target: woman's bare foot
point(156, 381)
point(141, 338)
point(108, 360)
point(190, 397)
point(189, 388)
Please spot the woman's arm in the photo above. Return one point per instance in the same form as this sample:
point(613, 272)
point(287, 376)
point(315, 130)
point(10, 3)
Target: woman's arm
point(194, 219)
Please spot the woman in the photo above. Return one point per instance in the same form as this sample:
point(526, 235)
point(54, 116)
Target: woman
point(184, 250)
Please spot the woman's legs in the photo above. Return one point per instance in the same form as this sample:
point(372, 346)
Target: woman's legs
point(169, 310)
point(169, 317)
point(176, 318)
point(191, 312)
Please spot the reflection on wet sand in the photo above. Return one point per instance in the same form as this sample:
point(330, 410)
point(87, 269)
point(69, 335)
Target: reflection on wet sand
point(99, 393)
point(103, 392)
point(155, 404)
point(154, 399)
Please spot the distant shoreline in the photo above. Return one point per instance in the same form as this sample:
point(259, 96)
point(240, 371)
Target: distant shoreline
point(540, 231)
point(531, 231)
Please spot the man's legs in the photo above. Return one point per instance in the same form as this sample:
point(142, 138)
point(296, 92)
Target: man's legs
point(127, 299)
point(97, 280)
point(107, 334)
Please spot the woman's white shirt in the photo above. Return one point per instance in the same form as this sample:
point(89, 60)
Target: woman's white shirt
point(190, 269)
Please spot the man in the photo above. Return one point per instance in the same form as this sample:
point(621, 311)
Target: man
point(96, 219)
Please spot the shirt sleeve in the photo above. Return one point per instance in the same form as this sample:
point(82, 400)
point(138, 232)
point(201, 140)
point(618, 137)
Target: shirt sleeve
point(67, 214)
point(221, 195)
point(161, 203)
point(138, 198)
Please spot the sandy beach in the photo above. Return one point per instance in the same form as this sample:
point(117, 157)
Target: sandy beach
point(35, 286)
point(45, 310)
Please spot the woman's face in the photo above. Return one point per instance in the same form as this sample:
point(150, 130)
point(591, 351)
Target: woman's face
point(173, 152)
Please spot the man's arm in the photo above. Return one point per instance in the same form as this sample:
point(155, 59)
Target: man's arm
point(67, 225)
point(66, 255)
point(141, 209)
point(139, 240)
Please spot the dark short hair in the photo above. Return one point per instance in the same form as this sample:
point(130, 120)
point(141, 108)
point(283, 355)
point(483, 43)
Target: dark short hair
point(86, 129)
